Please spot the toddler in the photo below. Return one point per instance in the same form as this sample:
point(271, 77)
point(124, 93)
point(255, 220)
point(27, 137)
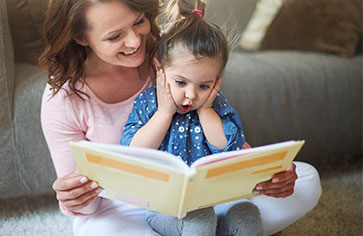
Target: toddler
point(186, 114)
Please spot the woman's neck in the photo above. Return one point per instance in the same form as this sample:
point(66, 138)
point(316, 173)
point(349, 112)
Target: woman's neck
point(112, 83)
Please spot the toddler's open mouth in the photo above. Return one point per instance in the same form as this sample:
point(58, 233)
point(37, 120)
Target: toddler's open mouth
point(186, 108)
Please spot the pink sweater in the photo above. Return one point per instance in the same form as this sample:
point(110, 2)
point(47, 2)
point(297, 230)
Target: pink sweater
point(68, 118)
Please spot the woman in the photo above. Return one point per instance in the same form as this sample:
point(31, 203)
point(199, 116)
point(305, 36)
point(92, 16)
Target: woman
point(98, 56)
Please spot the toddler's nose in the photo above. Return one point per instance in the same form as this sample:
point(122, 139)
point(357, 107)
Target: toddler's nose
point(190, 94)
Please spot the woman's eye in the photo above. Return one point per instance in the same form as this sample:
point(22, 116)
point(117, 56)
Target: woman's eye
point(140, 21)
point(114, 38)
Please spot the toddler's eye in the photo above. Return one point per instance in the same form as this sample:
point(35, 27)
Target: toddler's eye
point(180, 83)
point(204, 86)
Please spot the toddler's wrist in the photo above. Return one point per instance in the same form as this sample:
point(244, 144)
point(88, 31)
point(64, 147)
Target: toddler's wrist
point(204, 109)
point(164, 113)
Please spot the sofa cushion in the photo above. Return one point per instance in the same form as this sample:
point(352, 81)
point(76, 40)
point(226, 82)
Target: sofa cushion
point(26, 18)
point(8, 165)
point(232, 15)
point(332, 26)
point(34, 165)
point(7, 142)
point(262, 16)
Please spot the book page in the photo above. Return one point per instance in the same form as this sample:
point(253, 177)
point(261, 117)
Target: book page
point(144, 154)
point(234, 154)
point(233, 175)
point(129, 175)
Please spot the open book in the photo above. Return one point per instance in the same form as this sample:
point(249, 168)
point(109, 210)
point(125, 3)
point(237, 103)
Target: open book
point(162, 182)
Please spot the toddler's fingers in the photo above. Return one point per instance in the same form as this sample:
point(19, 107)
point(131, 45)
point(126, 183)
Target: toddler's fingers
point(217, 85)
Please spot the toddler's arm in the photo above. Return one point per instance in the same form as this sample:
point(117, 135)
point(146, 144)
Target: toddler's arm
point(153, 132)
point(211, 122)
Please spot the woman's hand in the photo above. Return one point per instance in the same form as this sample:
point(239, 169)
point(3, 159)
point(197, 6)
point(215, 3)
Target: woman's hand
point(75, 191)
point(281, 185)
point(165, 100)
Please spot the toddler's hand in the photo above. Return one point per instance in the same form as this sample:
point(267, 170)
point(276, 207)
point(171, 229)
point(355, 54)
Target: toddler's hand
point(213, 94)
point(166, 102)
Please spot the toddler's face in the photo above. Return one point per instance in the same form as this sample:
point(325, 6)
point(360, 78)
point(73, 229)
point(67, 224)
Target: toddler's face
point(191, 80)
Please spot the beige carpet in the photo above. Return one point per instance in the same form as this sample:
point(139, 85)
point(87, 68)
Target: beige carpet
point(340, 209)
point(339, 212)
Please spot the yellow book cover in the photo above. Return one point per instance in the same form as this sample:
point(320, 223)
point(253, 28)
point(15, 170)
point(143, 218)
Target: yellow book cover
point(160, 181)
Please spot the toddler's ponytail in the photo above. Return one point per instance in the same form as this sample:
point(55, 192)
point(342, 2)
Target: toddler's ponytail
point(188, 28)
point(179, 9)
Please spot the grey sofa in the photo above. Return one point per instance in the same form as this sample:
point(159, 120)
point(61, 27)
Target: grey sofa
point(280, 95)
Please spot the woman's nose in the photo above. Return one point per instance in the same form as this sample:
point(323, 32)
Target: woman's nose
point(133, 39)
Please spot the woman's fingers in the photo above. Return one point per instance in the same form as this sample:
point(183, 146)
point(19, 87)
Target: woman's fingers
point(289, 174)
point(281, 184)
point(69, 181)
point(276, 191)
point(81, 201)
point(281, 194)
point(75, 191)
point(271, 185)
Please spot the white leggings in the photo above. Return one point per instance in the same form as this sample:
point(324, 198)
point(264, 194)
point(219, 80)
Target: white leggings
point(114, 218)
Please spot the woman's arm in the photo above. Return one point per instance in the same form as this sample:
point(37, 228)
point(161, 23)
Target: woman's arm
point(73, 191)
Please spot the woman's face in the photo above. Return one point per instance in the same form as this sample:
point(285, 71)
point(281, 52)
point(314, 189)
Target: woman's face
point(116, 34)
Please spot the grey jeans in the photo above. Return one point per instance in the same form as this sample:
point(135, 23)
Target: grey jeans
point(241, 219)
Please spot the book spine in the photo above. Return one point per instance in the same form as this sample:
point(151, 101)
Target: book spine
point(186, 194)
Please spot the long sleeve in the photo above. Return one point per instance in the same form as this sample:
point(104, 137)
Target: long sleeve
point(145, 106)
point(59, 128)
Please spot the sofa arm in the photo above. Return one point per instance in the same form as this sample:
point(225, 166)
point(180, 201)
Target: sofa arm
point(6, 59)
point(7, 140)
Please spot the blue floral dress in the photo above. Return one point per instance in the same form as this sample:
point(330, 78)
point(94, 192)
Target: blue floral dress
point(185, 136)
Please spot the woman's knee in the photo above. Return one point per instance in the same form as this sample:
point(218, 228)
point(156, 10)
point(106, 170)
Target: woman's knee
point(308, 182)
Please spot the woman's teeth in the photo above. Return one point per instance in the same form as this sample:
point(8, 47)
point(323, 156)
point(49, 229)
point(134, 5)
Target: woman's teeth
point(130, 52)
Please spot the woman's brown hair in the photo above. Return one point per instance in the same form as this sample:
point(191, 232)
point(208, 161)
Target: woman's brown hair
point(62, 57)
point(187, 28)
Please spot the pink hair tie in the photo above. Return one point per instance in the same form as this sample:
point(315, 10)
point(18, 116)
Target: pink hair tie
point(199, 12)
